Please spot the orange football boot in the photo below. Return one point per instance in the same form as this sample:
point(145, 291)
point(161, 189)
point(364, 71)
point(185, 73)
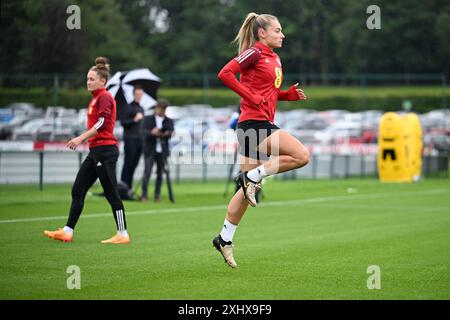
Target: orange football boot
point(59, 235)
point(118, 239)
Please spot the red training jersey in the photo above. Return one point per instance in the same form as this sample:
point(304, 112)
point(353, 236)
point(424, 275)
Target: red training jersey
point(102, 115)
point(260, 82)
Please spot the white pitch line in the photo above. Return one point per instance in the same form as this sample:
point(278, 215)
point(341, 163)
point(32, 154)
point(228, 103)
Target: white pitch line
point(223, 207)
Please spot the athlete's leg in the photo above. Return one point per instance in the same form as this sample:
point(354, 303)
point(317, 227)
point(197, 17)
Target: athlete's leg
point(148, 166)
point(159, 176)
point(236, 209)
point(86, 177)
point(238, 204)
point(287, 153)
point(107, 176)
point(135, 158)
point(106, 171)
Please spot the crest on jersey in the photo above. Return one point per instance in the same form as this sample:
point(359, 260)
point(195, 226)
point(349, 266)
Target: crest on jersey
point(278, 77)
point(91, 106)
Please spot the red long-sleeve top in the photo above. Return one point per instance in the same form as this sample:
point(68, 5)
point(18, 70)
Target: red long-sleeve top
point(260, 82)
point(102, 115)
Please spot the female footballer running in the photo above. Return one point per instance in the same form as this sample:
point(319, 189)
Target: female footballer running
point(101, 160)
point(265, 149)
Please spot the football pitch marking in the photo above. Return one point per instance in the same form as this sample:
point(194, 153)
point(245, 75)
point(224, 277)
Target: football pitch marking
point(224, 206)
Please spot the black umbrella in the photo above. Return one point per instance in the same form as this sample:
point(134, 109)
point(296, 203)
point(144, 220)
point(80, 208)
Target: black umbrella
point(121, 86)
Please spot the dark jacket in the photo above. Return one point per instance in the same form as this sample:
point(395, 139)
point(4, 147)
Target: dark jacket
point(150, 140)
point(131, 129)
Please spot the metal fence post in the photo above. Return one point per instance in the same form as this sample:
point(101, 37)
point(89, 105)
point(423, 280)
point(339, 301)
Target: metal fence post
point(294, 174)
point(362, 166)
point(428, 166)
point(332, 159)
point(41, 170)
point(347, 165)
point(204, 171)
point(314, 166)
point(446, 166)
point(376, 175)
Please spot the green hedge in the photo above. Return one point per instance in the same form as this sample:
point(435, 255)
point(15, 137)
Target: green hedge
point(320, 98)
point(42, 97)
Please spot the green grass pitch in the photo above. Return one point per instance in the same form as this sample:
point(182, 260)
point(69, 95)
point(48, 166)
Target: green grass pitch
point(308, 239)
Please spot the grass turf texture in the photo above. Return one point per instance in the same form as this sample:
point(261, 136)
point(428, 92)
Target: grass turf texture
point(308, 239)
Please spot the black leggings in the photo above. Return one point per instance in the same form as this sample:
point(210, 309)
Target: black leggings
point(99, 163)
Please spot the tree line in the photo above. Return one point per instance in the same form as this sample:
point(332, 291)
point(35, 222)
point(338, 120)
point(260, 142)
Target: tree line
point(173, 36)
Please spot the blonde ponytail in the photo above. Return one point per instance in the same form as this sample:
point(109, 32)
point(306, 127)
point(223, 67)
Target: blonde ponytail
point(248, 33)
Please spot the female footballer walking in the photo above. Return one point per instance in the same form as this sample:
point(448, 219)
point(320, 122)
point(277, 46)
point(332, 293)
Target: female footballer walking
point(265, 149)
point(101, 160)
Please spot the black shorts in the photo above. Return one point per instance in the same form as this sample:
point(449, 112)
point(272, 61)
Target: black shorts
point(250, 134)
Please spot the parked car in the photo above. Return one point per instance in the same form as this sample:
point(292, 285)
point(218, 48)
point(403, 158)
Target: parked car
point(26, 109)
point(15, 115)
point(43, 129)
point(7, 127)
point(29, 130)
point(438, 139)
point(194, 128)
point(339, 132)
point(305, 130)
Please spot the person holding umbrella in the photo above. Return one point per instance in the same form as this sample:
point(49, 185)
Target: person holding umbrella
point(122, 85)
point(102, 158)
point(135, 92)
point(131, 122)
point(157, 130)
